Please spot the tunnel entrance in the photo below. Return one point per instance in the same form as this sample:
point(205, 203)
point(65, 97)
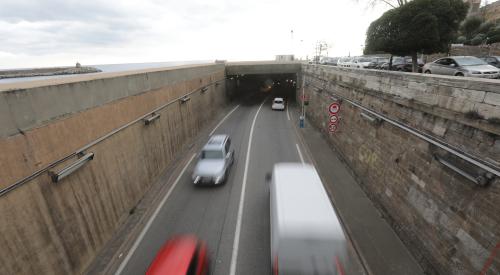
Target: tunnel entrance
point(275, 85)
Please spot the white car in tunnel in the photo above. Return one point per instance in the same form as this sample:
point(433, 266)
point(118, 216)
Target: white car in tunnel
point(216, 158)
point(278, 104)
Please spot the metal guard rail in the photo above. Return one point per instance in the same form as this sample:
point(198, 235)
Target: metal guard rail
point(24, 180)
point(483, 164)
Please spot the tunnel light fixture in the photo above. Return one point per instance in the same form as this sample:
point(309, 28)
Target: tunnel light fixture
point(481, 180)
point(204, 89)
point(372, 119)
point(59, 175)
point(149, 120)
point(185, 99)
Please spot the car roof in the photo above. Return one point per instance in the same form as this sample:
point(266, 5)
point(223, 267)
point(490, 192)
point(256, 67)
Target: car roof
point(303, 204)
point(215, 142)
point(174, 257)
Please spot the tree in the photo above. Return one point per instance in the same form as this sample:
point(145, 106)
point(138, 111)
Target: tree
point(476, 31)
point(470, 27)
point(426, 26)
point(392, 3)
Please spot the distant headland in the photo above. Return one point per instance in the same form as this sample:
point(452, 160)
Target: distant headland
point(78, 69)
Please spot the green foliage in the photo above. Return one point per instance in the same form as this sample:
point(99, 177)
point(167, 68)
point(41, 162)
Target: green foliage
point(461, 39)
point(494, 35)
point(476, 31)
point(470, 27)
point(478, 39)
point(426, 26)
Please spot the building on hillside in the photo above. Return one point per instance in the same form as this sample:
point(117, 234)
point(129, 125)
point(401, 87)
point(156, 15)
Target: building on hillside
point(491, 12)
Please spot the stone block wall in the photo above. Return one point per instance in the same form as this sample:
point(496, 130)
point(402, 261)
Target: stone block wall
point(450, 224)
point(58, 228)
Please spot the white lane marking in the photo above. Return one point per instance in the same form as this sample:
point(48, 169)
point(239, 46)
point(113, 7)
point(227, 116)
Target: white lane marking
point(224, 118)
point(287, 114)
point(236, 242)
point(300, 153)
point(146, 228)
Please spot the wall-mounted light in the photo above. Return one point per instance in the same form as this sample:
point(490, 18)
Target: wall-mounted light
point(372, 119)
point(481, 179)
point(59, 175)
point(185, 99)
point(204, 89)
point(149, 120)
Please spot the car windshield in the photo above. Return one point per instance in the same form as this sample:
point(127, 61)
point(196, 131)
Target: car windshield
point(469, 61)
point(383, 60)
point(212, 154)
point(278, 101)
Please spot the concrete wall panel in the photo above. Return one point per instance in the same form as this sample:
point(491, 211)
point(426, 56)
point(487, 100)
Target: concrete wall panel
point(58, 228)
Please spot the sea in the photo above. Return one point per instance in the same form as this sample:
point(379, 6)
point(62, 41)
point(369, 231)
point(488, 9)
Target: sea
point(105, 68)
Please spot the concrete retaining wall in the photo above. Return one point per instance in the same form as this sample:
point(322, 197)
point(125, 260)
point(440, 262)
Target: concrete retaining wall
point(57, 228)
point(449, 224)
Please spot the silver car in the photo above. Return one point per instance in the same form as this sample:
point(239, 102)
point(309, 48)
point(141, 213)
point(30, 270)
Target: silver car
point(462, 66)
point(216, 159)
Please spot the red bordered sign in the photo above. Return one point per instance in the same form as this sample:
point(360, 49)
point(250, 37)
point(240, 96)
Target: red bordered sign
point(332, 127)
point(334, 118)
point(334, 108)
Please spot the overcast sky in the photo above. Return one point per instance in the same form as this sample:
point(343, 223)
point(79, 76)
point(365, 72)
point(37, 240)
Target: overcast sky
point(38, 33)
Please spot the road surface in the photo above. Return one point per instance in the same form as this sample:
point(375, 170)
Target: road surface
point(216, 214)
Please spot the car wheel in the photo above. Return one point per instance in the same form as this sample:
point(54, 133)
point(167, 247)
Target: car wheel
point(459, 74)
point(427, 72)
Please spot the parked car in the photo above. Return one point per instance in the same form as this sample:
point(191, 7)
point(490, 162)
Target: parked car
point(363, 62)
point(405, 64)
point(344, 62)
point(492, 60)
point(306, 235)
point(328, 60)
point(216, 159)
point(278, 104)
point(462, 66)
point(379, 61)
point(182, 255)
point(402, 64)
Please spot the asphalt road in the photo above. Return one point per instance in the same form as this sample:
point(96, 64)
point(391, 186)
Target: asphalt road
point(211, 213)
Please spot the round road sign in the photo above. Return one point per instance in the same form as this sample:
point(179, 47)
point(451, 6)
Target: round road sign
point(334, 118)
point(332, 127)
point(334, 108)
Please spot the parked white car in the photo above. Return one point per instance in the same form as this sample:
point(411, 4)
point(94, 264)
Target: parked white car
point(462, 66)
point(344, 62)
point(278, 104)
point(364, 62)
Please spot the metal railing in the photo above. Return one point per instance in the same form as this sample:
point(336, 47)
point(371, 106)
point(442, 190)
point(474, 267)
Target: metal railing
point(80, 151)
point(483, 164)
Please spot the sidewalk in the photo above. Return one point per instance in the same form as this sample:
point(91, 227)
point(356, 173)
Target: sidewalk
point(380, 249)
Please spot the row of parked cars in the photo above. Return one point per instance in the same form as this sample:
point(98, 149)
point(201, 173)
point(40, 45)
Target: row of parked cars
point(486, 67)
